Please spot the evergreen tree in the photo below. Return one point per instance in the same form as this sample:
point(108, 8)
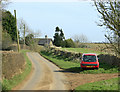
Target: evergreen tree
point(58, 37)
point(9, 25)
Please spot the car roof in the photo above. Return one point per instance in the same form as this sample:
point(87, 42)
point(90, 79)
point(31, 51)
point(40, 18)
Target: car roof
point(90, 54)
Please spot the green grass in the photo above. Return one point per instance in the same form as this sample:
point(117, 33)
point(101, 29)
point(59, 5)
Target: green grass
point(111, 84)
point(9, 84)
point(61, 63)
point(71, 66)
point(82, 50)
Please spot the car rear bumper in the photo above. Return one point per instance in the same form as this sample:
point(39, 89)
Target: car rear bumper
point(90, 66)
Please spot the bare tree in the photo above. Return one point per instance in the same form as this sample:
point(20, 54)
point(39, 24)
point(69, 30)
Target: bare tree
point(80, 38)
point(83, 38)
point(76, 38)
point(37, 33)
point(23, 28)
point(4, 3)
point(27, 34)
point(110, 18)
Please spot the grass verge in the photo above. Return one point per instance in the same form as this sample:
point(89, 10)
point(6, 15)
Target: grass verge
point(9, 84)
point(111, 84)
point(71, 66)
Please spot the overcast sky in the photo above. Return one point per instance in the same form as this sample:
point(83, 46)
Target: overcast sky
point(78, 17)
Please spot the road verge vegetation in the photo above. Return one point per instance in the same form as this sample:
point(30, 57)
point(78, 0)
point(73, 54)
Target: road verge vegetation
point(11, 83)
point(74, 66)
point(111, 84)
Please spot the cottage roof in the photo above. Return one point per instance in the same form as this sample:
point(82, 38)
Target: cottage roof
point(43, 41)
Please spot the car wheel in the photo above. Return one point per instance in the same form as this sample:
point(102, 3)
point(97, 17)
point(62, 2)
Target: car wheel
point(97, 68)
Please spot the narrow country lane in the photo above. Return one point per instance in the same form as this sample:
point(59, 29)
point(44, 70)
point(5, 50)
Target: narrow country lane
point(44, 76)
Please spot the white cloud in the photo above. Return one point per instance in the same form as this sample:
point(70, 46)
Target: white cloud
point(48, 0)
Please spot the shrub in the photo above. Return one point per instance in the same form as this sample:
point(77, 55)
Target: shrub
point(69, 43)
point(6, 40)
point(82, 46)
point(36, 48)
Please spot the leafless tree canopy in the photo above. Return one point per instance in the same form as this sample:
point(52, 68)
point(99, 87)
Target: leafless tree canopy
point(37, 33)
point(24, 29)
point(110, 18)
point(4, 3)
point(22, 26)
point(80, 38)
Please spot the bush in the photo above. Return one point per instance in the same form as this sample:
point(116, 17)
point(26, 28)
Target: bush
point(29, 39)
point(37, 48)
point(69, 43)
point(6, 40)
point(82, 45)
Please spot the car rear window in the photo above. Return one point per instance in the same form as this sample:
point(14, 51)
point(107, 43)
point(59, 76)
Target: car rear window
point(89, 58)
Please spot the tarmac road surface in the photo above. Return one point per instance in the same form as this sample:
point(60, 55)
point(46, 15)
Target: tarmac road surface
point(44, 75)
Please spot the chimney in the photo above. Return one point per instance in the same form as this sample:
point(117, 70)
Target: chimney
point(46, 37)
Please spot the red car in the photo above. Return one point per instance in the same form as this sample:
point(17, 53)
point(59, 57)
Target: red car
point(89, 61)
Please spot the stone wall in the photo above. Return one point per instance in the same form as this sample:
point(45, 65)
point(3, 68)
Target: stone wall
point(66, 54)
point(103, 58)
point(109, 59)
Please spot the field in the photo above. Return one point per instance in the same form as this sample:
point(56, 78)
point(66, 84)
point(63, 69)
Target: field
point(98, 48)
point(83, 50)
point(9, 84)
point(111, 84)
point(96, 45)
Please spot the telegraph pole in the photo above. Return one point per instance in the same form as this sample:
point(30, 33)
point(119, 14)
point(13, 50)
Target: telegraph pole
point(24, 34)
point(17, 32)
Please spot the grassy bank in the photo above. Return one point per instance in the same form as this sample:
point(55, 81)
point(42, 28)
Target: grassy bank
point(9, 84)
point(71, 66)
point(111, 84)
